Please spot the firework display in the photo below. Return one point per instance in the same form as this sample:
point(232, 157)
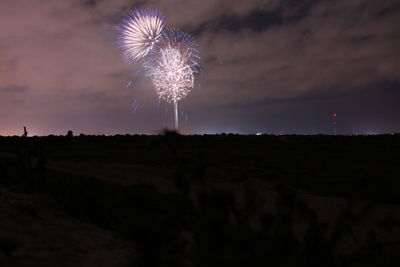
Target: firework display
point(172, 65)
point(181, 41)
point(139, 33)
point(171, 75)
point(170, 57)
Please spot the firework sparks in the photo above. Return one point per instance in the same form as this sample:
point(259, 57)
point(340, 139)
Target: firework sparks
point(181, 41)
point(172, 76)
point(128, 84)
point(134, 106)
point(172, 66)
point(170, 57)
point(139, 33)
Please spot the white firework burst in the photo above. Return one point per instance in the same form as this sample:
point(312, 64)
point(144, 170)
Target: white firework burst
point(172, 76)
point(139, 33)
point(183, 42)
point(172, 65)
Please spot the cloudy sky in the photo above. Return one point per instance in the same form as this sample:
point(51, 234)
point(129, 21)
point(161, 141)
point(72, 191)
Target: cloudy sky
point(271, 66)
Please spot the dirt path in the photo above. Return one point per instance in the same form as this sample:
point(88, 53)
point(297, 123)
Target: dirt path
point(125, 174)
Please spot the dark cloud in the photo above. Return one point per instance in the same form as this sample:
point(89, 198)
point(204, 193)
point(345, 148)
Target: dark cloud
point(258, 19)
point(259, 57)
point(14, 89)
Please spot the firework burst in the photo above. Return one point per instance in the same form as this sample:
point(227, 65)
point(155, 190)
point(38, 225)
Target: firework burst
point(140, 32)
point(172, 65)
point(170, 57)
point(183, 42)
point(172, 77)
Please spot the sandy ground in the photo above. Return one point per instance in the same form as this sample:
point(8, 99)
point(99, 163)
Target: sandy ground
point(34, 232)
point(360, 217)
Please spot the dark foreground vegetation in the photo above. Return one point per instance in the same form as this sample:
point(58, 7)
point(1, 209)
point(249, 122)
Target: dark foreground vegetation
point(221, 200)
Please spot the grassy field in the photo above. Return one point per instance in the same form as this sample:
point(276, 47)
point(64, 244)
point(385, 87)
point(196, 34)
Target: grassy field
point(351, 166)
point(223, 200)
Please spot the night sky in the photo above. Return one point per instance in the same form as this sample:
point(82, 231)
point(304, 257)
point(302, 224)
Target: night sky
point(278, 66)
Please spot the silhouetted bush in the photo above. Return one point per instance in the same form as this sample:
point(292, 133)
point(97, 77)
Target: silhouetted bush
point(70, 134)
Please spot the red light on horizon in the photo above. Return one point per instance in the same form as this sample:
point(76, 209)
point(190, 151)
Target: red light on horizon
point(334, 114)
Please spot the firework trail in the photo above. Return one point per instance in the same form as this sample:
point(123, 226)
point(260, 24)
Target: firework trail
point(172, 65)
point(134, 106)
point(128, 84)
point(139, 33)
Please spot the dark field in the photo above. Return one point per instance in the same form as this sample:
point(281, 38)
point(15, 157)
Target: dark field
point(224, 200)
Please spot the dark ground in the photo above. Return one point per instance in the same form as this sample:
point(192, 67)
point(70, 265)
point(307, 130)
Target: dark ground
point(225, 200)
